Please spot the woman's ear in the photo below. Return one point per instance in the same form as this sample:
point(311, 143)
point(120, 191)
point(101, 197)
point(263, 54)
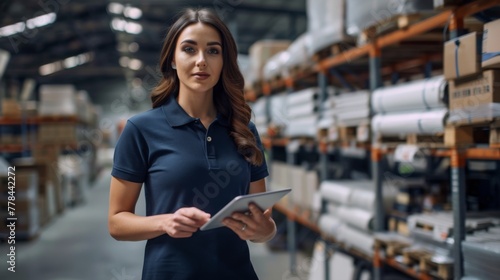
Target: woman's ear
point(173, 65)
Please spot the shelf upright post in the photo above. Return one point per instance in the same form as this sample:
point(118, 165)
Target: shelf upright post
point(291, 224)
point(323, 157)
point(457, 178)
point(458, 204)
point(376, 153)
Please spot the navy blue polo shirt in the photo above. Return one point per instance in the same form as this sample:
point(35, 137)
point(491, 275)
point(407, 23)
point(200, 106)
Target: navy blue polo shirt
point(183, 164)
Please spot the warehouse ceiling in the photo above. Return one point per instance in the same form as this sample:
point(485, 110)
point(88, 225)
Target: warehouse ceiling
point(75, 41)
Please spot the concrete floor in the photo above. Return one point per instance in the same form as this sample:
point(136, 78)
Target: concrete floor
point(77, 246)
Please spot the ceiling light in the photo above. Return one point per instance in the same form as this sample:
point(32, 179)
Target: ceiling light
point(41, 20)
point(132, 12)
point(12, 29)
point(133, 28)
point(133, 47)
point(30, 24)
point(115, 8)
point(50, 68)
point(124, 61)
point(66, 63)
point(135, 64)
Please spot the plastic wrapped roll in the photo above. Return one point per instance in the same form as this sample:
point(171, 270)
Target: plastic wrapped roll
point(362, 14)
point(299, 54)
point(356, 217)
point(329, 224)
point(326, 23)
point(303, 126)
point(302, 110)
point(275, 66)
point(299, 97)
point(335, 191)
point(355, 238)
point(413, 96)
point(278, 109)
point(429, 122)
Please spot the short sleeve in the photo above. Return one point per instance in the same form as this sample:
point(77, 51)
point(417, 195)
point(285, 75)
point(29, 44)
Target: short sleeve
point(131, 153)
point(258, 171)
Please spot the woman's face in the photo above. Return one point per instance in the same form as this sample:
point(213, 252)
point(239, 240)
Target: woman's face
point(198, 58)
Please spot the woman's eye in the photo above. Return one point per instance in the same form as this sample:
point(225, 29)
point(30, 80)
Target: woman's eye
point(213, 51)
point(188, 49)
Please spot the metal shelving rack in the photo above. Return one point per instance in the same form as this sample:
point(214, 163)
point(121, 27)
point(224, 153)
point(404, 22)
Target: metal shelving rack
point(454, 19)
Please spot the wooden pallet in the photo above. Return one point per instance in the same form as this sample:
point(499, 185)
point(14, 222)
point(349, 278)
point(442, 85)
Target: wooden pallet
point(487, 132)
point(442, 270)
point(430, 141)
point(388, 25)
point(358, 134)
point(333, 50)
point(391, 248)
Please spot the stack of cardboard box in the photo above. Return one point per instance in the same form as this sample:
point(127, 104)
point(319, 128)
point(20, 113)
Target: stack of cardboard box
point(25, 204)
point(472, 67)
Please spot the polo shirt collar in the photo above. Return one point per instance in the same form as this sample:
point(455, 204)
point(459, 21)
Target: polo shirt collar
point(176, 116)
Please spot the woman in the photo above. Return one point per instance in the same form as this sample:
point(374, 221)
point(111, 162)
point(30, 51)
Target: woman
point(194, 151)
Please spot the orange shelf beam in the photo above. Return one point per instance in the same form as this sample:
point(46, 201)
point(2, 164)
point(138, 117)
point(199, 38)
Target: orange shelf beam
point(297, 217)
point(397, 36)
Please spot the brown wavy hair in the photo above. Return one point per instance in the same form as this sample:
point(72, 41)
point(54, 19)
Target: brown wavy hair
point(228, 92)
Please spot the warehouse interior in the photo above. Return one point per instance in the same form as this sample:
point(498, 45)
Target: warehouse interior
point(382, 116)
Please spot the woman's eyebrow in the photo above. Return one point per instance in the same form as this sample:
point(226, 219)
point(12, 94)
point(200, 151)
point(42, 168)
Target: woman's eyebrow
point(189, 41)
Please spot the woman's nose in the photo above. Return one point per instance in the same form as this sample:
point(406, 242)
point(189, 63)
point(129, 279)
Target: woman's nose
point(201, 62)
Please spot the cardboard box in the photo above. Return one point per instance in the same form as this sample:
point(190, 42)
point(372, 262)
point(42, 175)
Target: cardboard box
point(478, 90)
point(491, 45)
point(260, 52)
point(467, 61)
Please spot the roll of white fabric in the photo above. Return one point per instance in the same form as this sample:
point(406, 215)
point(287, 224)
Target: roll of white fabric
point(413, 96)
point(303, 126)
point(301, 96)
point(329, 224)
point(275, 66)
point(363, 198)
point(355, 238)
point(332, 208)
point(326, 21)
point(278, 109)
point(302, 110)
point(336, 191)
point(429, 122)
point(299, 53)
point(356, 217)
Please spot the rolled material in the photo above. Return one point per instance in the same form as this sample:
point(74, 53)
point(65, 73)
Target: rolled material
point(326, 23)
point(429, 122)
point(352, 109)
point(299, 53)
point(413, 96)
point(362, 14)
point(302, 110)
point(335, 191)
point(356, 217)
point(278, 109)
point(329, 224)
point(355, 238)
point(303, 126)
point(301, 96)
point(275, 66)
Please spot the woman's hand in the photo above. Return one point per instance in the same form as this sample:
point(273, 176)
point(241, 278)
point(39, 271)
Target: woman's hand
point(257, 226)
point(184, 222)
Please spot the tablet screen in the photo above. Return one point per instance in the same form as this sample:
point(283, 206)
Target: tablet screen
point(240, 203)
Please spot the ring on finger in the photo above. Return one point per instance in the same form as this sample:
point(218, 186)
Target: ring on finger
point(244, 227)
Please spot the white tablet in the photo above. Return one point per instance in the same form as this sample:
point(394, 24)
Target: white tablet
point(240, 204)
